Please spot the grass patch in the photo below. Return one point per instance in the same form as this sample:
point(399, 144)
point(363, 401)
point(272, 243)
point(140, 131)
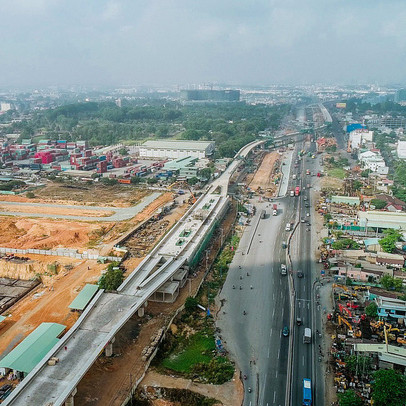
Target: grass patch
point(338, 173)
point(190, 351)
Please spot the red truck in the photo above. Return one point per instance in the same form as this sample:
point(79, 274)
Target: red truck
point(275, 209)
point(297, 191)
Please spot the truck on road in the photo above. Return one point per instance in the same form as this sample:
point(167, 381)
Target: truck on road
point(263, 214)
point(307, 392)
point(297, 191)
point(275, 209)
point(307, 336)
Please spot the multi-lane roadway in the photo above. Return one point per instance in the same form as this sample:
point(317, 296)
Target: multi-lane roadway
point(272, 366)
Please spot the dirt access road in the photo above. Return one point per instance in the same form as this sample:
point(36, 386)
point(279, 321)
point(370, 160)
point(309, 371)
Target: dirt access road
point(230, 393)
point(263, 178)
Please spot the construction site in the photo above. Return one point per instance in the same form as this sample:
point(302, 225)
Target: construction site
point(363, 341)
point(36, 288)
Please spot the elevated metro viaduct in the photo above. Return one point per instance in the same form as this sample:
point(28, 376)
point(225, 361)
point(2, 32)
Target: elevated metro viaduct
point(94, 332)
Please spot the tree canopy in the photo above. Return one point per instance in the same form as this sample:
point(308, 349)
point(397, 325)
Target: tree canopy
point(389, 388)
point(391, 237)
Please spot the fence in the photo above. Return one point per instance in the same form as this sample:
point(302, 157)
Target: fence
point(64, 252)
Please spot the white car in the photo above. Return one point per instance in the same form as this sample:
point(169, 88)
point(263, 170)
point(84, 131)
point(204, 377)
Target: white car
point(307, 214)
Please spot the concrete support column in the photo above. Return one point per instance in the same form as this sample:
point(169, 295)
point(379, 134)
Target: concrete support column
point(141, 311)
point(108, 350)
point(70, 400)
point(146, 303)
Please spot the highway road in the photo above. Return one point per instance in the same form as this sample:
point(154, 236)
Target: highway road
point(255, 340)
point(305, 362)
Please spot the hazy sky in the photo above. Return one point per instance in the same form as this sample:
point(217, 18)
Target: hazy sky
point(117, 42)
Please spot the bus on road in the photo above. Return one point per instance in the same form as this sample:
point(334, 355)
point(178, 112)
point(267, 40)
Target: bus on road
point(297, 191)
point(307, 392)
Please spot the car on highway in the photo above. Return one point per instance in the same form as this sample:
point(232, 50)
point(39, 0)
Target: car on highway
point(305, 198)
point(298, 321)
point(307, 205)
point(307, 214)
point(300, 274)
point(283, 269)
point(302, 220)
point(284, 245)
point(285, 331)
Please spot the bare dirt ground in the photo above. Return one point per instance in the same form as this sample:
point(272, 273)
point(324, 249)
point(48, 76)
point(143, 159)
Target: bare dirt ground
point(20, 232)
point(55, 210)
point(97, 195)
point(115, 372)
point(330, 183)
point(49, 302)
point(229, 394)
point(263, 178)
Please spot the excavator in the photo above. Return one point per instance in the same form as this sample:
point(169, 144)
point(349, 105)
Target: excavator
point(184, 184)
point(351, 332)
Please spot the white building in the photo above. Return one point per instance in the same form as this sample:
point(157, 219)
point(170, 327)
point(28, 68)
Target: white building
point(357, 138)
point(401, 149)
point(5, 107)
point(371, 160)
point(176, 149)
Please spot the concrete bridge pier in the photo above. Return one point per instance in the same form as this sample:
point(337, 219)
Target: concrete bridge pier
point(108, 349)
point(141, 310)
point(70, 401)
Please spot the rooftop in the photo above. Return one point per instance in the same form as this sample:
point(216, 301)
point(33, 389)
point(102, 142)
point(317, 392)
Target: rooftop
point(33, 348)
point(84, 297)
point(177, 144)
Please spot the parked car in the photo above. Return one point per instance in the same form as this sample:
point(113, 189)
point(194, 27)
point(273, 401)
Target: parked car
point(300, 274)
point(285, 331)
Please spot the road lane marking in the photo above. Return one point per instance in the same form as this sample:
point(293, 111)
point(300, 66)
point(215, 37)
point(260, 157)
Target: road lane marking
point(279, 353)
point(270, 334)
point(276, 374)
point(283, 311)
point(274, 396)
point(273, 313)
point(273, 296)
point(269, 349)
point(304, 288)
point(303, 360)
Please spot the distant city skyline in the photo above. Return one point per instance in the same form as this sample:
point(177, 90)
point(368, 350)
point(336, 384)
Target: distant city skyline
point(163, 42)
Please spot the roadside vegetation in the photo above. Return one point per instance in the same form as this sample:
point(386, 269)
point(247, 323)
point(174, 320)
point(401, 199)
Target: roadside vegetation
point(190, 348)
point(112, 278)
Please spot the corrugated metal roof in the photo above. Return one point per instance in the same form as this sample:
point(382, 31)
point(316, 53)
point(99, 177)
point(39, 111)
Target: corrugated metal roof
point(33, 348)
point(177, 144)
point(84, 297)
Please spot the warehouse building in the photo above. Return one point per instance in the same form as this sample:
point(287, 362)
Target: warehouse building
point(175, 149)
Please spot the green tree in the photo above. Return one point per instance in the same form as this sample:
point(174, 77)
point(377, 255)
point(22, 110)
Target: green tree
point(136, 179)
point(123, 151)
point(365, 173)
point(205, 173)
point(389, 388)
point(152, 181)
point(111, 279)
point(388, 243)
point(358, 364)
point(387, 282)
point(357, 185)
point(191, 304)
point(109, 181)
point(371, 310)
point(349, 398)
point(379, 204)
point(193, 181)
